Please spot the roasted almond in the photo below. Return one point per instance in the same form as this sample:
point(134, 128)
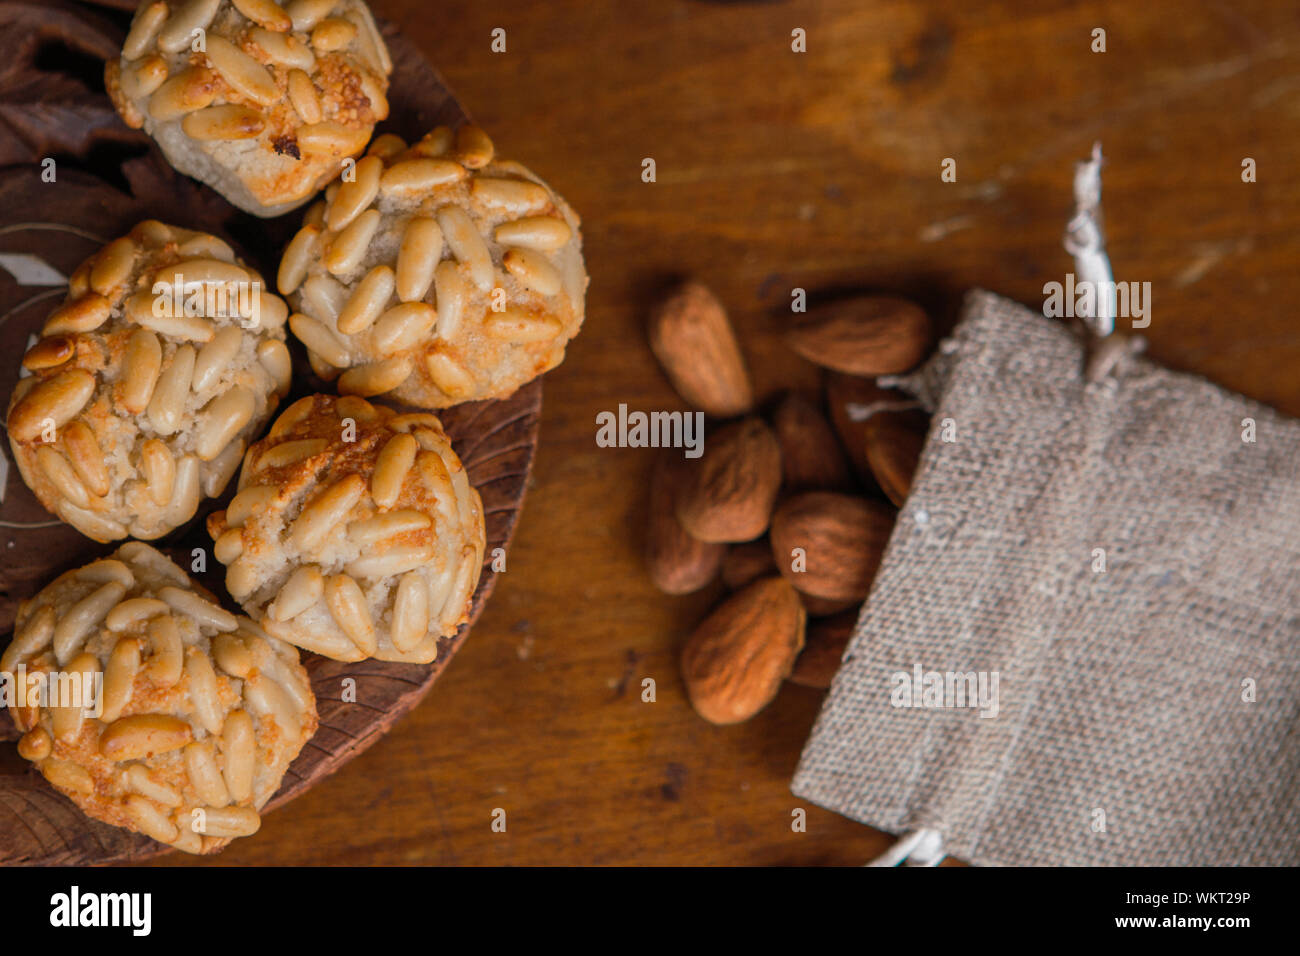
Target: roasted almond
point(825, 607)
point(747, 562)
point(678, 563)
point(849, 391)
point(811, 457)
point(829, 545)
point(894, 440)
point(729, 491)
point(864, 335)
point(737, 657)
point(823, 650)
point(694, 342)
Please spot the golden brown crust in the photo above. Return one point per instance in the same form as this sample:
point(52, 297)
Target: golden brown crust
point(190, 717)
point(355, 532)
point(436, 273)
point(262, 113)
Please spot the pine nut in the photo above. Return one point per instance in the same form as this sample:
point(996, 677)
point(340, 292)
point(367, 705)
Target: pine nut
point(368, 301)
point(317, 337)
point(410, 613)
point(354, 197)
point(113, 265)
point(386, 146)
point(132, 611)
point(237, 751)
point(60, 474)
point(391, 468)
point(403, 326)
point(225, 122)
point(85, 314)
point(222, 420)
point(543, 233)
point(159, 470)
point(274, 356)
point(267, 699)
point(205, 777)
point(143, 81)
point(191, 328)
point(332, 34)
point(396, 560)
point(202, 681)
point(140, 370)
point(144, 29)
point(248, 502)
point(49, 352)
point(303, 96)
point(167, 406)
point(215, 356)
point(229, 545)
point(325, 511)
point(374, 94)
point(186, 492)
point(516, 326)
point(151, 821)
point(92, 524)
point(166, 655)
point(31, 637)
point(297, 257)
point(221, 469)
point(324, 298)
point(232, 654)
point(349, 247)
point(473, 147)
point(205, 246)
point(204, 270)
point(448, 374)
point(66, 720)
point(370, 531)
point(119, 674)
point(437, 142)
point(411, 178)
point(267, 13)
point(67, 776)
point(139, 779)
point(307, 13)
point(185, 19)
point(290, 453)
point(230, 822)
point(142, 735)
point(328, 138)
point(283, 49)
point(71, 630)
point(200, 609)
point(518, 197)
point(302, 590)
point(354, 406)
point(35, 745)
point(182, 93)
point(375, 378)
point(417, 257)
point(452, 292)
point(466, 244)
point(347, 604)
point(86, 457)
point(533, 270)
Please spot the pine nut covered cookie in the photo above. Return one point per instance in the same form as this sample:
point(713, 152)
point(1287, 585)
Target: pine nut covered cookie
point(436, 274)
point(163, 712)
point(260, 101)
point(144, 390)
point(355, 532)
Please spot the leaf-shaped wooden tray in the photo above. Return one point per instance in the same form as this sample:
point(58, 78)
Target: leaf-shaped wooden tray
point(107, 178)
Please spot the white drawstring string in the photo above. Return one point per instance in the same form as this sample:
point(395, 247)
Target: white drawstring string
point(918, 848)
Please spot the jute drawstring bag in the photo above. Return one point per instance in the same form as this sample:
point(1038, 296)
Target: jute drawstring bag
point(1116, 564)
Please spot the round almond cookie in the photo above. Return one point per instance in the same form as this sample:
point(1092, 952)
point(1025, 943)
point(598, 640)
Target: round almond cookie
point(260, 101)
point(150, 706)
point(147, 383)
point(435, 274)
point(355, 532)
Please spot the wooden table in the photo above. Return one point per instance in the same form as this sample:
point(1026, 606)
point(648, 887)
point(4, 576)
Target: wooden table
point(778, 169)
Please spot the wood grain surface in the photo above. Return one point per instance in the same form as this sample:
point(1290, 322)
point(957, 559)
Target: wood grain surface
point(775, 170)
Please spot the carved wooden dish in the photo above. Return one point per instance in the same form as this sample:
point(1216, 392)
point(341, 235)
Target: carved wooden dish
point(109, 177)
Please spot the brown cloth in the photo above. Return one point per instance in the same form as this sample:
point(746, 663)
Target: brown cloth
point(1148, 714)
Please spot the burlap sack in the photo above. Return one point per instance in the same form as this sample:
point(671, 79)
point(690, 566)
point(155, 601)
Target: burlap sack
point(1148, 713)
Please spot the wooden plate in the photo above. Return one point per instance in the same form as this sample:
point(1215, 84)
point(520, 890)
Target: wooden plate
point(107, 178)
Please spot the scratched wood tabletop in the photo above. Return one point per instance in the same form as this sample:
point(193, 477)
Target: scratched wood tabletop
point(778, 169)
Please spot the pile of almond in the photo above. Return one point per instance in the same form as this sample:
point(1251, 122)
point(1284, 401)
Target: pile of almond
point(791, 509)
